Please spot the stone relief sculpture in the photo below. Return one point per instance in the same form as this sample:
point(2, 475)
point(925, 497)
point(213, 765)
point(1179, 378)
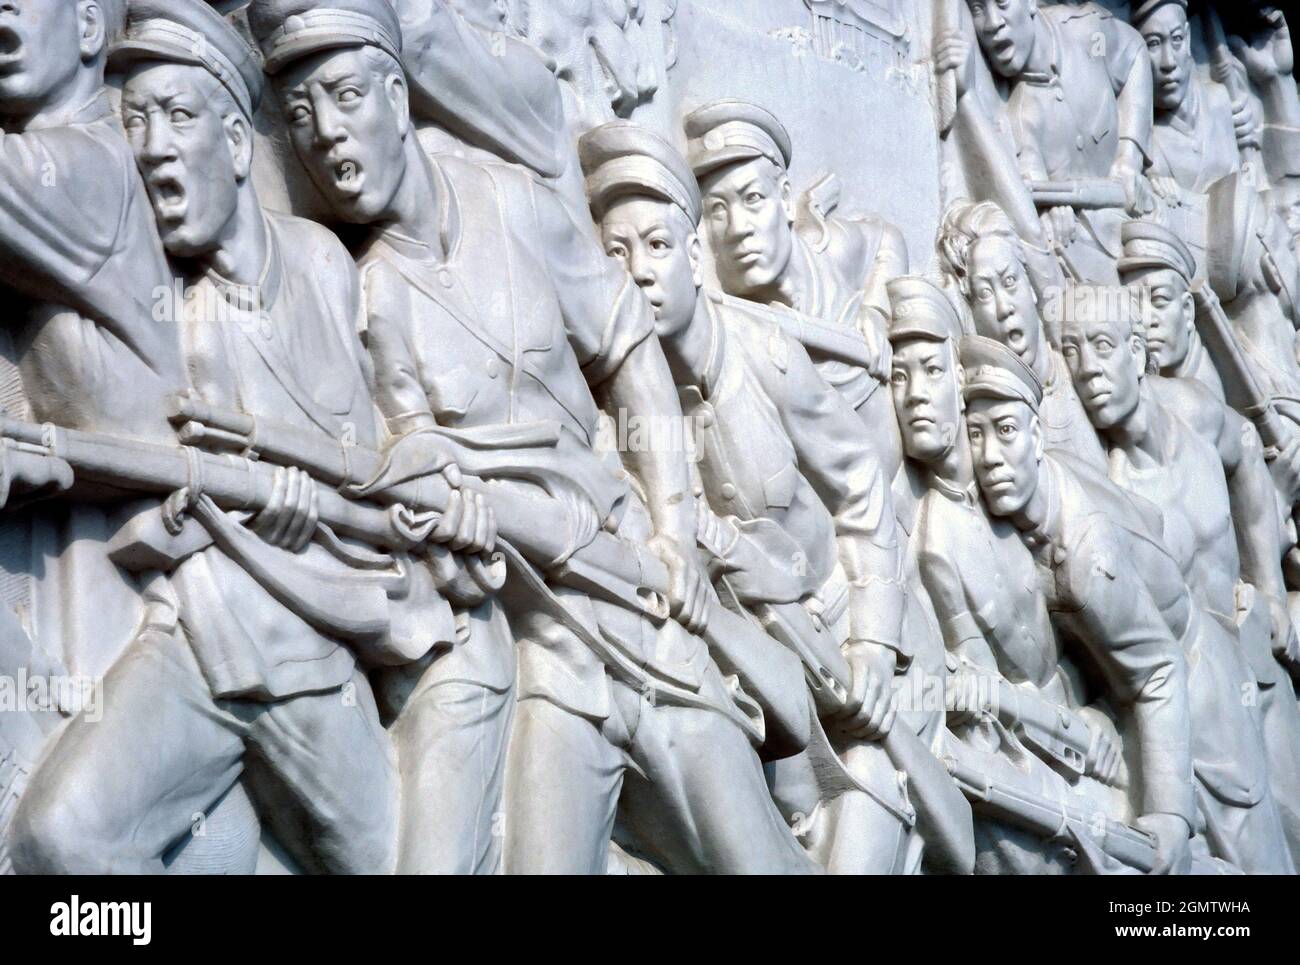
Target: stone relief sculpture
point(484, 436)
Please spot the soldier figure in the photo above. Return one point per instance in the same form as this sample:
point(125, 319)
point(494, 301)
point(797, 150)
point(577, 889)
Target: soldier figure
point(985, 591)
point(1173, 443)
point(1080, 107)
point(829, 268)
point(488, 313)
point(256, 636)
point(800, 512)
point(1110, 584)
point(981, 251)
point(1198, 131)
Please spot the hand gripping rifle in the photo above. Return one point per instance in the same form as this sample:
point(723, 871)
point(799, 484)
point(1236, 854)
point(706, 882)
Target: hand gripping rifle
point(1052, 820)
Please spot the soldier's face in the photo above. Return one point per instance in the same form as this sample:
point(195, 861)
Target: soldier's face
point(1170, 47)
point(1006, 32)
point(1006, 448)
point(925, 380)
point(1169, 314)
point(173, 115)
point(657, 245)
point(1106, 361)
point(1003, 304)
point(40, 51)
point(749, 215)
point(348, 121)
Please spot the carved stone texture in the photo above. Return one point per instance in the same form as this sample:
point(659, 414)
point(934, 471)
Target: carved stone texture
point(649, 436)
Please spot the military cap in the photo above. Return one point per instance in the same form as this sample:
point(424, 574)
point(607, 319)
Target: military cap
point(993, 371)
point(1144, 8)
point(622, 158)
point(1149, 245)
point(191, 32)
point(728, 131)
point(288, 30)
point(921, 309)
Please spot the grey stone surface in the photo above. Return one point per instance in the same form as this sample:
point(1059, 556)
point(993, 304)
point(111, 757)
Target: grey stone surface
point(649, 436)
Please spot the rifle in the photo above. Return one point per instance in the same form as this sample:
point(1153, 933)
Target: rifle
point(823, 341)
point(1239, 384)
point(1081, 193)
point(1223, 69)
point(1054, 732)
point(1051, 819)
point(941, 812)
point(615, 570)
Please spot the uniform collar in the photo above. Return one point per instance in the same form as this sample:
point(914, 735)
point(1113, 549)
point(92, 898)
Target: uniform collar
point(967, 495)
point(262, 296)
point(1052, 76)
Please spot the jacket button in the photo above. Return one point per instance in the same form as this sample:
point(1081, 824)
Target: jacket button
point(705, 417)
point(444, 277)
point(1078, 142)
point(493, 368)
point(728, 491)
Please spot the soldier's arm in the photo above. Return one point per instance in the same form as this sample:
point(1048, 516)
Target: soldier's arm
point(843, 466)
point(1130, 69)
point(399, 390)
point(1250, 484)
point(943, 583)
point(610, 325)
point(1114, 616)
point(890, 262)
point(61, 202)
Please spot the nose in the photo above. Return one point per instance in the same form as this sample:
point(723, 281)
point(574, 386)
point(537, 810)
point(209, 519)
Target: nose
point(739, 224)
point(327, 124)
point(1166, 60)
point(158, 145)
point(918, 393)
point(1003, 304)
point(988, 454)
point(638, 266)
point(995, 19)
point(1087, 364)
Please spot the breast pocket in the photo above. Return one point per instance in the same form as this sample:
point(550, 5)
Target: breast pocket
point(779, 489)
point(452, 394)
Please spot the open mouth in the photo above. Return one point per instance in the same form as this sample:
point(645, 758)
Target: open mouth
point(11, 47)
point(348, 177)
point(1004, 48)
point(169, 196)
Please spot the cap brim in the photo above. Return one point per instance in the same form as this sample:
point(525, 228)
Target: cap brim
point(901, 333)
point(1140, 262)
point(130, 52)
point(731, 154)
point(297, 48)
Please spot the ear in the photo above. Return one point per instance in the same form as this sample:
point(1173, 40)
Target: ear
point(786, 193)
point(961, 376)
point(93, 27)
point(1036, 433)
point(239, 137)
point(1138, 349)
point(1189, 312)
point(395, 88)
point(693, 252)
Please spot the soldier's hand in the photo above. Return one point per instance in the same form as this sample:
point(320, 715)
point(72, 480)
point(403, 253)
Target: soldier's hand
point(1105, 760)
point(1284, 464)
point(1247, 124)
point(965, 697)
point(289, 519)
point(1139, 198)
point(879, 353)
point(870, 711)
point(1173, 842)
point(28, 473)
point(1167, 189)
point(953, 52)
point(688, 588)
point(1269, 53)
point(1286, 645)
point(468, 525)
point(1061, 225)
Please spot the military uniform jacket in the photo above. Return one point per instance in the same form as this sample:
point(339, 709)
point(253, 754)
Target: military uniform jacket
point(848, 262)
point(1111, 585)
point(778, 445)
point(288, 350)
point(522, 316)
